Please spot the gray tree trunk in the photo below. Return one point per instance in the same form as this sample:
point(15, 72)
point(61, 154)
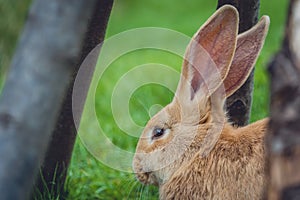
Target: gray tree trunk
point(57, 159)
point(284, 135)
point(39, 75)
point(239, 104)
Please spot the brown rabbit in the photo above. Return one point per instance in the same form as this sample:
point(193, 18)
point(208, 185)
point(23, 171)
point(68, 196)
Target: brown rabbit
point(189, 149)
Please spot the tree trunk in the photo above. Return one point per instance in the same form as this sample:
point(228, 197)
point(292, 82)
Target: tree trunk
point(284, 135)
point(39, 75)
point(239, 104)
point(54, 169)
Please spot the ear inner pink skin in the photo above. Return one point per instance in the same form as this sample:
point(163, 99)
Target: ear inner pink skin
point(211, 50)
point(249, 45)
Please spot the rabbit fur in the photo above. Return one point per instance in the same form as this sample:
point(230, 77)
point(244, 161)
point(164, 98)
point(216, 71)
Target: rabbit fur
point(189, 149)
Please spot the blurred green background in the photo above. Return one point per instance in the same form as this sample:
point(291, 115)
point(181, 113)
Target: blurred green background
point(89, 178)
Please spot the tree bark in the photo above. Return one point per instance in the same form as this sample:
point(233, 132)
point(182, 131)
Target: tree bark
point(57, 159)
point(284, 135)
point(40, 72)
point(239, 104)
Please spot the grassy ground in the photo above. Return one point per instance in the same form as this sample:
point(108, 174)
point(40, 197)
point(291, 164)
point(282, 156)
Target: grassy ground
point(88, 178)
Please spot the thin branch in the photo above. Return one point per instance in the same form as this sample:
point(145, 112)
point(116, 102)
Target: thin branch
point(239, 104)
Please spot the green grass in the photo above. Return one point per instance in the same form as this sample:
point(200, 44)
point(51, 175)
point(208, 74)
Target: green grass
point(88, 178)
point(13, 15)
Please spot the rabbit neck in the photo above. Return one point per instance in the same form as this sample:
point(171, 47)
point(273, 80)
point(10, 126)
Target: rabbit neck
point(234, 169)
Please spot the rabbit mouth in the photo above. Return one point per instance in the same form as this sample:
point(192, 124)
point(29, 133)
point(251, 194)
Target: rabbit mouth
point(146, 178)
point(143, 177)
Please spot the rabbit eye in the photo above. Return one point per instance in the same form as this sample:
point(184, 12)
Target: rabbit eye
point(158, 132)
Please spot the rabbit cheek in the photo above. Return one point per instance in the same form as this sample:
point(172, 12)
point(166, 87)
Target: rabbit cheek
point(153, 179)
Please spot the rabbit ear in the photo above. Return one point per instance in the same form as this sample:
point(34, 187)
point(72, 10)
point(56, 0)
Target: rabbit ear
point(209, 55)
point(247, 50)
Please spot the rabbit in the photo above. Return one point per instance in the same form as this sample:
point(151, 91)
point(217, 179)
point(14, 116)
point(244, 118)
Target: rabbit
point(189, 149)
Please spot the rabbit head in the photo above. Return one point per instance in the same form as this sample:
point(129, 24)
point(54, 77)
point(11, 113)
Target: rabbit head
point(216, 63)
